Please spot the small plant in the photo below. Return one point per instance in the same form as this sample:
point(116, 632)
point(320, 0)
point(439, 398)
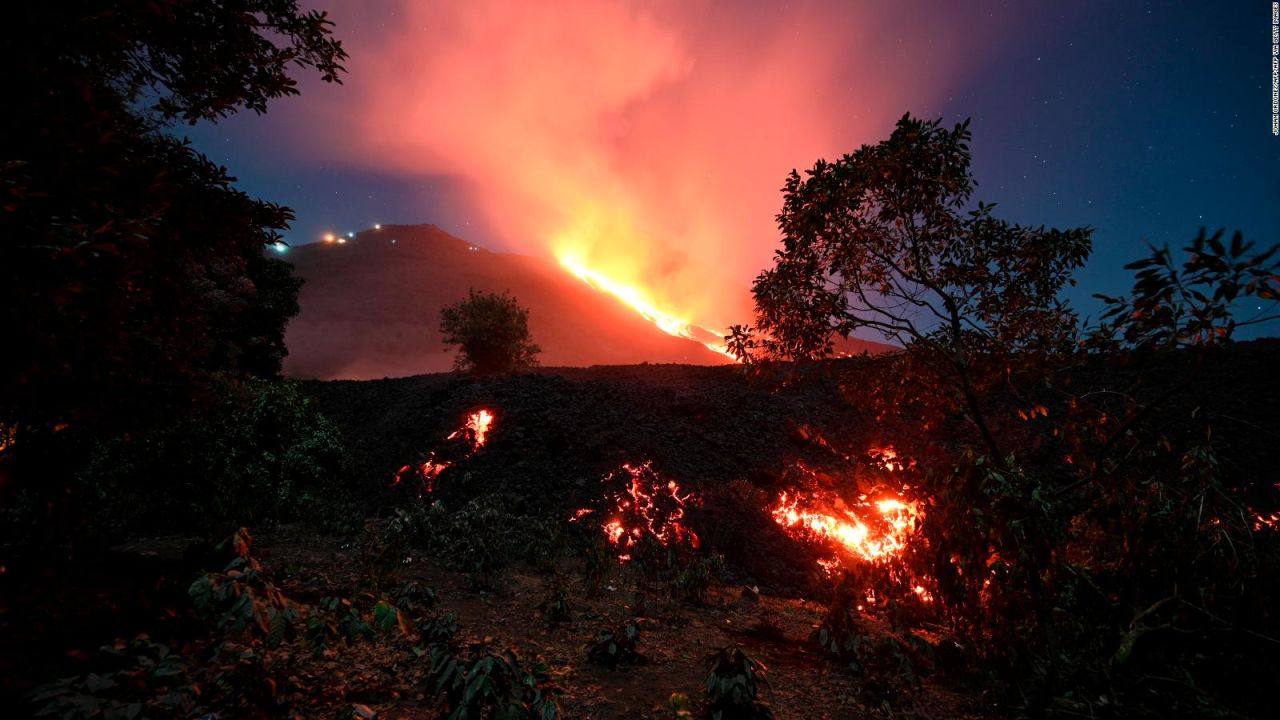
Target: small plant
point(598, 561)
point(694, 577)
point(242, 598)
point(887, 664)
point(733, 684)
point(616, 646)
point(556, 608)
point(679, 704)
point(492, 685)
point(438, 630)
point(412, 597)
point(335, 619)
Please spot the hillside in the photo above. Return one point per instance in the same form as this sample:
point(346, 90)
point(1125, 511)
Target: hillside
point(371, 308)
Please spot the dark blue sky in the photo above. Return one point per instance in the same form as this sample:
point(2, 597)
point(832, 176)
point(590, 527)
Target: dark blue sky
point(1145, 121)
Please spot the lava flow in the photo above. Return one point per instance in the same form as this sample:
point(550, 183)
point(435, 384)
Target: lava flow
point(648, 506)
point(473, 433)
point(871, 530)
point(638, 300)
point(875, 531)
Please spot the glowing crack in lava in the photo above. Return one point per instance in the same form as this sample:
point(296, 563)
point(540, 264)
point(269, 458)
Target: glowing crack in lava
point(473, 434)
point(638, 300)
point(648, 506)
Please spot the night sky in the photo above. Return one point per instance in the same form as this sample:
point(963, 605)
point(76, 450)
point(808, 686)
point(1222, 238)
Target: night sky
point(1145, 121)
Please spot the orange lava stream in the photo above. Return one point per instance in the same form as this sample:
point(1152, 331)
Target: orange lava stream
point(637, 300)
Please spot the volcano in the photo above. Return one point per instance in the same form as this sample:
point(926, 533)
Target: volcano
point(371, 308)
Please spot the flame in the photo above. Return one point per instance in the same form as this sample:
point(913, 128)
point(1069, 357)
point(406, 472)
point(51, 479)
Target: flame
point(881, 531)
point(638, 300)
point(474, 432)
point(647, 506)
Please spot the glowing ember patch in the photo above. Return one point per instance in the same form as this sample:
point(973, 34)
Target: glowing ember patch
point(1271, 522)
point(646, 507)
point(474, 433)
point(638, 300)
point(887, 458)
point(874, 532)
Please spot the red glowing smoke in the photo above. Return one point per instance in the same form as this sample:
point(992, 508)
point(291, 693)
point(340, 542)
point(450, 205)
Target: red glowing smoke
point(645, 140)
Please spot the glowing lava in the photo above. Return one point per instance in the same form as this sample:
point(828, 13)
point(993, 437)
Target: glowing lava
point(474, 432)
point(648, 506)
point(870, 530)
point(638, 300)
point(880, 530)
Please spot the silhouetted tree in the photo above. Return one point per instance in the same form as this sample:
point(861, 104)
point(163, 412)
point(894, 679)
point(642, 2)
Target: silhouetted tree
point(132, 272)
point(881, 240)
point(491, 332)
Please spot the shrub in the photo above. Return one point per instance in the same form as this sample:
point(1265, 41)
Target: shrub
point(557, 608)
point(492, 685)
point(242, 598)
point(148, 680)
point(263, 452)
point(491, 332)
point(733, 684)
point(616, 646)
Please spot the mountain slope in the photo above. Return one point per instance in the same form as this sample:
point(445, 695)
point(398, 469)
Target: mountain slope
point(371, 308)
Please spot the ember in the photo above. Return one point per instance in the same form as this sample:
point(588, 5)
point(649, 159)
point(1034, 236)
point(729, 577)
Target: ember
point(647, 507)
point(473, 433)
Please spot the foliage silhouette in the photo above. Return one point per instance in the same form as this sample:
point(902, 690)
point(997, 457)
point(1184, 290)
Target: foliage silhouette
point(491, 332)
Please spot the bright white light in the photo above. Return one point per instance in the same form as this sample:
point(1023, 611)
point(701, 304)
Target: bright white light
point(281, 247)
point(351, 234)
point(342, 241)
point(377, 226)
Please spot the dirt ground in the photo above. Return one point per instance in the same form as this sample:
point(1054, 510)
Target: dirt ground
point(676, 638)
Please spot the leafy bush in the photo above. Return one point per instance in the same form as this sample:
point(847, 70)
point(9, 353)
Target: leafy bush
point(483, 538)
point(336, 619)
point(492, 685)
point(733, 685)
point(262, 452)
point(886, 664)
point(491, 332)
point(153, 681)
point(616, 646)
point(557, 608)
point(1118, 553)
point(242, 598)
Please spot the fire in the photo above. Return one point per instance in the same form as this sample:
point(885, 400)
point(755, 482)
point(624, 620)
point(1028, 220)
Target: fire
point(648, 506)
point(638, 300)
point(876, 531)
point(474, 433)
